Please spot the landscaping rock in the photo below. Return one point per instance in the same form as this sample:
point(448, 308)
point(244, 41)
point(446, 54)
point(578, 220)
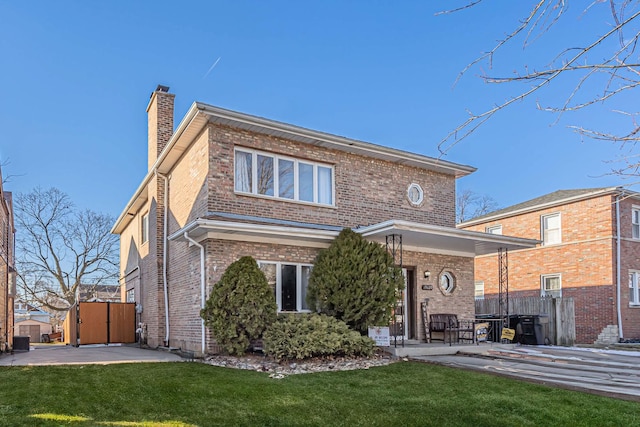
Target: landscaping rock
point(281, 370)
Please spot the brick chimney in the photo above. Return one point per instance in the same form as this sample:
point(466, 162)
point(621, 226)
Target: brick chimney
point(160, 119)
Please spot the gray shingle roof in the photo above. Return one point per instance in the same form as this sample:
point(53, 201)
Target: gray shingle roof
point(556, 196)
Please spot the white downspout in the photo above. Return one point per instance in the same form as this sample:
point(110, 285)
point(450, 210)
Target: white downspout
point(164, 258)
point(621, 335)
point(202, 285)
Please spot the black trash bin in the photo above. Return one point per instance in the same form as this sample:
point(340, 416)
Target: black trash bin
point(529, 329)
point(21, 343)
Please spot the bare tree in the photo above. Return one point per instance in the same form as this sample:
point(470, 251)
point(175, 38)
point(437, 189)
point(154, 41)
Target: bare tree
point(470, 205)
point(59, 247)
point(601, 70)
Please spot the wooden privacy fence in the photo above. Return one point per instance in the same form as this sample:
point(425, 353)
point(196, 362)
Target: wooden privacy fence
point(100, 323)
point(561, 329)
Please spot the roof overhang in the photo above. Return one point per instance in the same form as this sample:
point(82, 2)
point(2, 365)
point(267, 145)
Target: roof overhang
point(202, 229)
point(415, 236)
point(500, 214)
point(199, 115)
point(444, 240)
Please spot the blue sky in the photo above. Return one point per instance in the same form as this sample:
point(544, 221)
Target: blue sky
point(77, 77)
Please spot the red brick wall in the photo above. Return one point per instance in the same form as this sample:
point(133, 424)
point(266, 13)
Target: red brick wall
point(184, 276)
point(368, 191)
point(586, 258)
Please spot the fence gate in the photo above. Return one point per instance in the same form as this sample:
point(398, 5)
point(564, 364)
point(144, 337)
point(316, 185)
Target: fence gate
point(102, 323)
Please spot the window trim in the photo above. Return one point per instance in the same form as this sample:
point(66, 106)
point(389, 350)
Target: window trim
point(542, 229)
point(144, 228)
point(420, 191)
point(634, 288)
point(635, 235)
point(276, 177)
point(278, 289)
point(542, 283)
point(452, 281)
point(493, 228)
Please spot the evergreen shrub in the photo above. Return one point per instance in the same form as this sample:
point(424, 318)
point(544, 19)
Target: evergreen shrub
point(356, 281)
point(241, 306)
point(303, 336)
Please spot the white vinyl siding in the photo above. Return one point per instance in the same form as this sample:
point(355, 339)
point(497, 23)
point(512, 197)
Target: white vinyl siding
point(282, 177)
point(479, 289)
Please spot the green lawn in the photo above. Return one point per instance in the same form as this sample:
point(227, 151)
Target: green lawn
point(194, 394)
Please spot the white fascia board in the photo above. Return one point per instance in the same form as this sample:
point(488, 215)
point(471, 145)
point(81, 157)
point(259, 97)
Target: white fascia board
point(125, 216)
point(203, 229)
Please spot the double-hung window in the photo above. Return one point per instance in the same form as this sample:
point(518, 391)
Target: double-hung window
point(634, 293)
point(551, 232)
point(551, 285)
point(144, 228)
point(635, 222)
point(282, 177)
point(289, 282)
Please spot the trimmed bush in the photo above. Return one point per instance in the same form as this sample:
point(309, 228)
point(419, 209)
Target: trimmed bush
point(355, 281)
point(241, 306)
point(302, 336)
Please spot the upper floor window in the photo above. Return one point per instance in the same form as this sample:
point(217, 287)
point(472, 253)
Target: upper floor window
point(283, 177)
point(635, 222)
point(634, 295)
point(551, 285)
point(144, 228)
point(551, 234)
point(289, 283)
point(495, 229)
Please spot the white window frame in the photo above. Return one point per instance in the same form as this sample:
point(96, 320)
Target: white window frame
point(276, 177)
point(634, 288)
point(494, 229)
point(478, 289)
point(144, 228)
point(544, 232)
point(130, 295)
point(299, 293)
point(556, 293)
point(635, 222)
point(450, 278)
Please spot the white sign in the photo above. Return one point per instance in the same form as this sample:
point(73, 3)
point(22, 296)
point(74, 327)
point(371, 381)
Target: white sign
point(380, 334)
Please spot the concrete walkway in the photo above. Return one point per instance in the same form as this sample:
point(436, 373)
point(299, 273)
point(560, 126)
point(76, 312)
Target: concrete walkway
point(41, 355)
point(601, 371)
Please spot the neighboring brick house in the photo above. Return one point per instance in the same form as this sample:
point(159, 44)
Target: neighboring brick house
point(231, 184)
point(7, 269)
point(584, 255)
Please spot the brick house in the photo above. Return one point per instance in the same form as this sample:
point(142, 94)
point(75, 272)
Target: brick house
point(226, 184)
point(589, 251)
point(7, 269)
